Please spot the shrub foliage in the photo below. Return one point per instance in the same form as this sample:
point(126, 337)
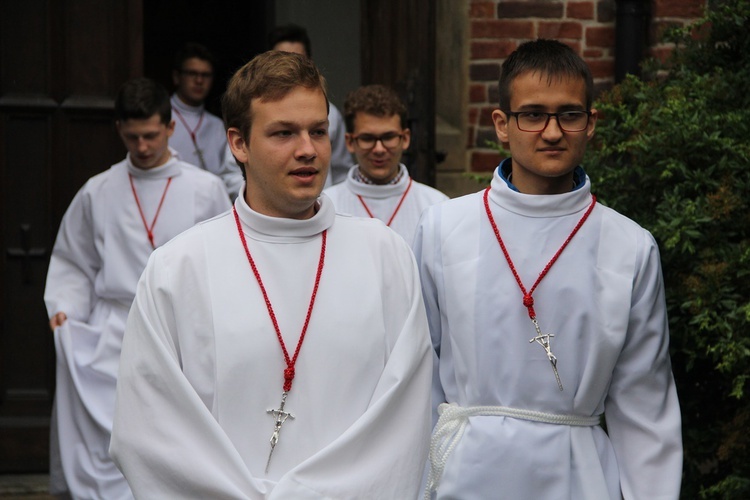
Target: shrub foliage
point(672, 151)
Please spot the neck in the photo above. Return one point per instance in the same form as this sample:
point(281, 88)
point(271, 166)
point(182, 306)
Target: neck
point(188, 102)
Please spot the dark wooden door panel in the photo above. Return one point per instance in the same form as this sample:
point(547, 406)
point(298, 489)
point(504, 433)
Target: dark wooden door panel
point(61, 64)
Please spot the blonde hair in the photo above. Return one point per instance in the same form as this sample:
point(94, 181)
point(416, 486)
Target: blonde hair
point(268, 77)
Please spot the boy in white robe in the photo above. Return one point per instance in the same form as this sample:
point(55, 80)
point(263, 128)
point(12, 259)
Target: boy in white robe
point(199, 136)
point(379, 185)
point(547, 312)
point(279, 351)
point(105, 238)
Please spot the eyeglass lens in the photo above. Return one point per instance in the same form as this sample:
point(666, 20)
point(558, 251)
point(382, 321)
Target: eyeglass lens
point(569, 121)
point(367, 141)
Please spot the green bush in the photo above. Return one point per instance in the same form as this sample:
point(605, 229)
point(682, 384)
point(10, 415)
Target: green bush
point(672, 151)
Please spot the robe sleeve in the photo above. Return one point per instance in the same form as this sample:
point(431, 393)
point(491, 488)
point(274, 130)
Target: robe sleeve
point(424, 252)
point(642, 410)
point(74, 263)
point(169, 445)
point(164, 439)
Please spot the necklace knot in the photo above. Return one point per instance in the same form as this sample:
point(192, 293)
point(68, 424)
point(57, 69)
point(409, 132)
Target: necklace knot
point(528, 300)
point(289, 374)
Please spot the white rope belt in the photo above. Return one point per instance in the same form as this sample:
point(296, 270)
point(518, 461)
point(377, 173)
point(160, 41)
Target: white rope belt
point(452, 422)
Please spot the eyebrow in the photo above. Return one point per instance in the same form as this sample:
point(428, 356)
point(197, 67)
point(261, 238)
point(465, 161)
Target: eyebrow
point(561, 108)
point(291, 124)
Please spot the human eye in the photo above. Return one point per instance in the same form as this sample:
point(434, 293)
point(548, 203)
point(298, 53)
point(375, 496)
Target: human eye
point(319, 132)
point(572, 116)
point(282, 133)
point(533, 116)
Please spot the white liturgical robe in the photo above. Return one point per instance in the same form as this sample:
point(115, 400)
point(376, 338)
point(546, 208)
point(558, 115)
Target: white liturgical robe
point(209, 150)
point(100, 251)
point(201, 364)
point(383, 200)
point(603, 300)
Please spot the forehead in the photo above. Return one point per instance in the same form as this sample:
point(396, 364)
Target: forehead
point(142, 125)
point(542, 89)
point(300, 104)
point(366, 122)
point(296, 47)
point(196, 64)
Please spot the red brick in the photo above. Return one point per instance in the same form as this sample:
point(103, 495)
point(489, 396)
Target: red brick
point(593, 53)
point(484, 161)
point(600, 37)
point(501, 28)
point(491, 50)
point(560, 30)
point(544, 9)
point(659, 28)
point(486, 138)
point(482, 72)
point(580, 10)
point(477, 93)
point(602, 68)
point(661, 53)
point(482, 10)
point(678, 8)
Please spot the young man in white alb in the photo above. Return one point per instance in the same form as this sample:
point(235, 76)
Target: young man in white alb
point(199, 136)
point(278, 351)
point(547, 312)
point(107, 234)
point(379, 185)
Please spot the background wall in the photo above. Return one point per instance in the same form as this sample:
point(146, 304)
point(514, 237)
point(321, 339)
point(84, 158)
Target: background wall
point(333, 27)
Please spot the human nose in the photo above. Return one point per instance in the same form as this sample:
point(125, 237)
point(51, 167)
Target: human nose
point(379, 147)
point(306, 148)
point(552, 131)
point(142, 144)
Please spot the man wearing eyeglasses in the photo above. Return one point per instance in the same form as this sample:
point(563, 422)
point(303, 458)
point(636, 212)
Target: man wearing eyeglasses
point(379, 186)
point(547, 313)
point(199, 136)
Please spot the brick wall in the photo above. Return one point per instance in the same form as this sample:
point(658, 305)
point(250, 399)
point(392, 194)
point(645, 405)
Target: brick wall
point(497, 27)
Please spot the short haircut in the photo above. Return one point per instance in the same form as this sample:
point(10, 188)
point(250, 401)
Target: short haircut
point(290, 33)
point(547, 57)
point(267, 77)
point(376, 100)
point(193, 50)
point(142, 98)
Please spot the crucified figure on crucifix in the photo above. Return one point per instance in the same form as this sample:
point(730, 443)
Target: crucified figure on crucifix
point(280, 417)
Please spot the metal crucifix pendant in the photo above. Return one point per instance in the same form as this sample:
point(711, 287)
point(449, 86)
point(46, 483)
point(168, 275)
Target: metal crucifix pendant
point(280, 417)
point(544, 339)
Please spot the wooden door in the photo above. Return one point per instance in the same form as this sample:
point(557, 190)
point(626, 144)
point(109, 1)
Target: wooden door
point(61, 63)
point(398, 49)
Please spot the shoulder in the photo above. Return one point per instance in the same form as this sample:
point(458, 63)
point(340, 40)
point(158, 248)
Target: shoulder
point(456, 209)
point(198, 175)
point(364, 233)
point(430, 192)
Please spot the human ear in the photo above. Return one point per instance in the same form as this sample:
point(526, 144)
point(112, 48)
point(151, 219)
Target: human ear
point(500, 119)
point(407, 139)
point(349, 142)
point(237, 144)
point(592, 123)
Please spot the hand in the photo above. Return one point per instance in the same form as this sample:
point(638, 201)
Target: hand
point(57, 320)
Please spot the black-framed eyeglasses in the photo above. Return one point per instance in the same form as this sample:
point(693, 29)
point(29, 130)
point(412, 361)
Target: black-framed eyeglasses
point(537, 121)
point(196, 74)
point(389, 140)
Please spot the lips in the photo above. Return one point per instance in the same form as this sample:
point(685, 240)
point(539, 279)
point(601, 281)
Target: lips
point(304, 172)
